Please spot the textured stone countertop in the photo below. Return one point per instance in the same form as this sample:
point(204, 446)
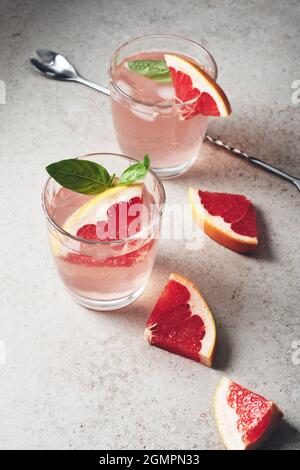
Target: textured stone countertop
point(73, 378)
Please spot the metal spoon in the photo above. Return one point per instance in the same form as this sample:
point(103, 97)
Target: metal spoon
point(255, 161)
point(56, 66)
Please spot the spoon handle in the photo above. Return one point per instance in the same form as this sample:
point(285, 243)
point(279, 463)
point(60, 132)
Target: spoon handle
point(254, 160)
point(217, 142)
point(86, 82)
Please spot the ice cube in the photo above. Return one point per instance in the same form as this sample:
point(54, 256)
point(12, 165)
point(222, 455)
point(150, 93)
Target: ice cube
point(125, 87)
point(166, 92)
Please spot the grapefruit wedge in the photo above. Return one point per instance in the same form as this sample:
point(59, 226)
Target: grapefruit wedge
point(229, 219)
point(96, 209)
point(113, 215)
point(191, 82)
point(88, 221)
point(182, 323)
point(245, 419)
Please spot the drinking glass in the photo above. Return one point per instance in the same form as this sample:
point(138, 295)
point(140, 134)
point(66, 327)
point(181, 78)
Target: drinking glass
point(146, 119)
point(103, 275)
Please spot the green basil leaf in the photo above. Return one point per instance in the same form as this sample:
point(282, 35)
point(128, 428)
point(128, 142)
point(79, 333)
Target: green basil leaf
point(112, 178)
point(163, 79)
point(155, 69)
point(147, 161)
point(81, 176)
point(135, 172)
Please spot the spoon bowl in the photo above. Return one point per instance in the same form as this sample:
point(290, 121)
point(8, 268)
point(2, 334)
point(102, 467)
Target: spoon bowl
point(54, 65)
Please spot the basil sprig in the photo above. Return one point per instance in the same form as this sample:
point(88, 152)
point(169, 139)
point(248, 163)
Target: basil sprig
point(135, 172)
point(155, 69)
point(87, 177)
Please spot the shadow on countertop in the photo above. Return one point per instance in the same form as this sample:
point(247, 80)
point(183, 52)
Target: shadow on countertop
point(286, 437)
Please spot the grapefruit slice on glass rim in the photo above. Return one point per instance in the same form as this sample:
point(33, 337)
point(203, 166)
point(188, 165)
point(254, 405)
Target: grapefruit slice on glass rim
point(229, 219)
point(245, 420)
point(191, 82)
point(182, 323)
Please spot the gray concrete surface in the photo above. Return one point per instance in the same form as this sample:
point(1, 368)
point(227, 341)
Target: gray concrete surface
point(72, 378)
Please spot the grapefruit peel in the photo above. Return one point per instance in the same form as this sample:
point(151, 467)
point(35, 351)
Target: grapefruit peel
point(221, 231)
point(245, 419)
point(182, 323)
point(191, 81)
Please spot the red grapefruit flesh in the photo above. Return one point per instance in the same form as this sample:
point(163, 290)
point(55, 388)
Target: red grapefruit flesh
point(191, 82)
point(245, 419)
point(123, 221)
point(119, 223)
point(182, 323)
point(229, 219)
point(124, 260)
point(88, 232)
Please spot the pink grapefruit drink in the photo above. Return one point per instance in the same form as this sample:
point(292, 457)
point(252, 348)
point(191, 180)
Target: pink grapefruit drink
point(104, 245)
point(153, 100)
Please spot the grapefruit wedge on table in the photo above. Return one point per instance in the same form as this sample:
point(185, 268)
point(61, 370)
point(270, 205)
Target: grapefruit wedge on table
point(245, 419)
point(182, 323)
point(229, 219)
point(191, 82)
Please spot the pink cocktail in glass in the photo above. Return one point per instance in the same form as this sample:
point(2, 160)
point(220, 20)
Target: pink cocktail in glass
point(106, 274)
point(145, 114)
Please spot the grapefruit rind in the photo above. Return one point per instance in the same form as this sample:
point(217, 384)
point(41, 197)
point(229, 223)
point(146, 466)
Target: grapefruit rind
point(202, 81)
point(92, 211)
point(196, 304)
point(219, 230)
point(227, 420)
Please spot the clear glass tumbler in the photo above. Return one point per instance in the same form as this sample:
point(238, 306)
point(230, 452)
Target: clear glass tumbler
point(103, 275)
point(146, 118)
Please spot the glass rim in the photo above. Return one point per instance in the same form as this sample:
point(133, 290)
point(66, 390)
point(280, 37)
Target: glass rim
point(153, 36)
point(104, 242)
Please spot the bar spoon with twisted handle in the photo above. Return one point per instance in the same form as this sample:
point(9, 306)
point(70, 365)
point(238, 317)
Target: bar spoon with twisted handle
point(54, 65)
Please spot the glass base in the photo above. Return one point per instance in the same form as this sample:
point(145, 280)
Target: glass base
point(174, 171)
point(106, 305)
